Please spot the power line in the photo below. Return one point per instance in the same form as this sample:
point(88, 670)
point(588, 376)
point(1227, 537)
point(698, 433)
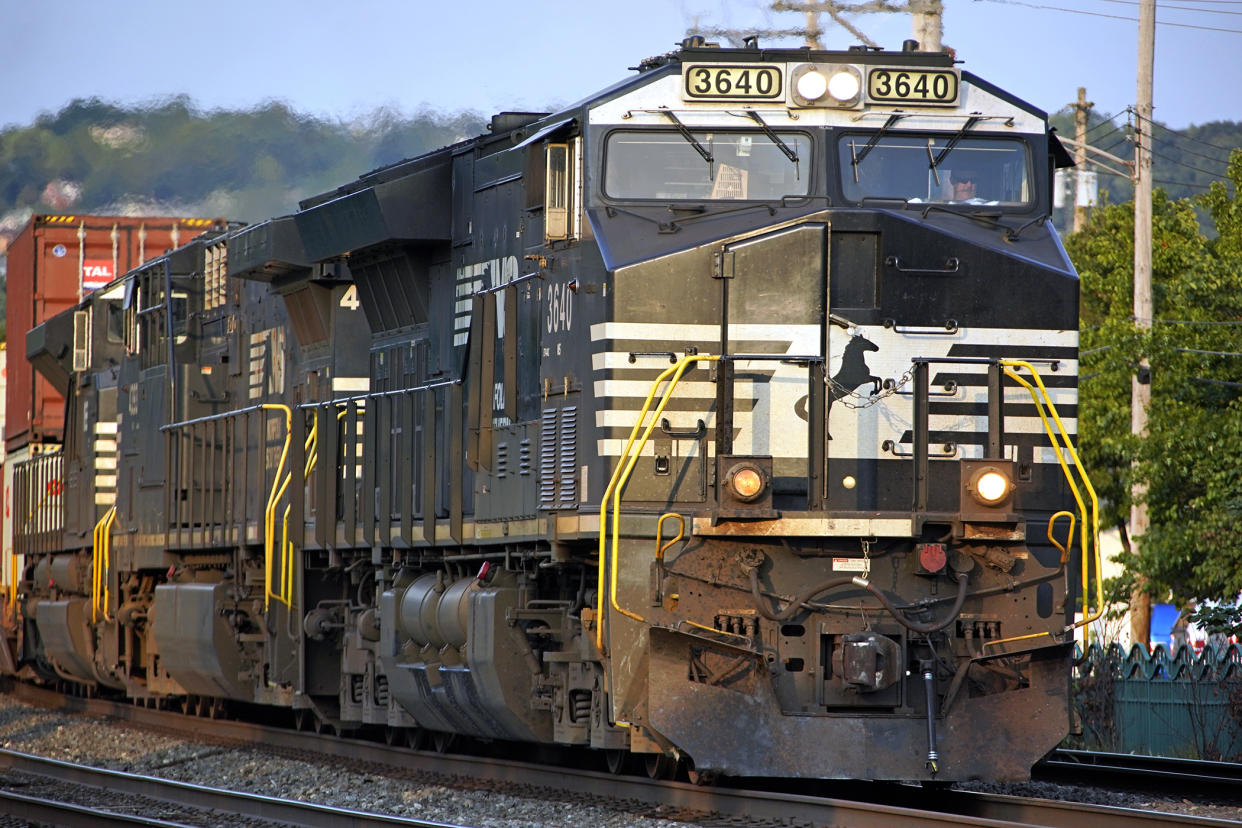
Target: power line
point(1116, 144)
point(1166, 5)
point(1105, 122)
point(1191, 152)
point(1216, 175)
point(1165, 183)
point(1207, 353)
point(1101, 138)
point(1217, 382)
point(1112, 16)
point(1185, 137)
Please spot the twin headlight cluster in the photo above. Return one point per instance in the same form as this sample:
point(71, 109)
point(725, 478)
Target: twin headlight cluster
point(826, 84)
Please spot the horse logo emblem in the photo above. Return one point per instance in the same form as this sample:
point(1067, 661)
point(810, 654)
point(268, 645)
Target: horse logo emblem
point(852, 375)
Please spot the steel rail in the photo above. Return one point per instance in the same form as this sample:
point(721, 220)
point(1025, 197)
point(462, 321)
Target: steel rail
point(43, 811)
point(1198, 773)
point(199, 797)
point(865, 805)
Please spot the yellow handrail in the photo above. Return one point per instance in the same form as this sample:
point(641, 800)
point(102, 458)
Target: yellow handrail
point(1090, 537)
point(620, 474)
point(311, 447)
point(661, 546)
point(1069, 540)
point(269, 516)
point(101, 562)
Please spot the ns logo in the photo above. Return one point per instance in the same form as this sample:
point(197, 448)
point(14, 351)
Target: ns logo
point(852, 375)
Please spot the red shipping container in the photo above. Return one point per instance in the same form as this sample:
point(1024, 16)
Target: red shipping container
point(52, 264)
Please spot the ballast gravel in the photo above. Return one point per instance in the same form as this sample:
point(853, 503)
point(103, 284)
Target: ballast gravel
point(105, 744)
point(109, 744)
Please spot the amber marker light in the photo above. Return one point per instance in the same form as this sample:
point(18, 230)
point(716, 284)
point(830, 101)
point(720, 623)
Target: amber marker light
point(747, 482)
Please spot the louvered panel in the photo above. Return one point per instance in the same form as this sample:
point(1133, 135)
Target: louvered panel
point(547, 459)
point(524, 462)
point(502, 460)
point(568, 459)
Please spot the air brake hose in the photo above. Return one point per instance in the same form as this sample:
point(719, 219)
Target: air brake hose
point(796, 604)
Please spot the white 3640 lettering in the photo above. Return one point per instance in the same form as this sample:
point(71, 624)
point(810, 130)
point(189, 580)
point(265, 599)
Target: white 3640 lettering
point(560, 308)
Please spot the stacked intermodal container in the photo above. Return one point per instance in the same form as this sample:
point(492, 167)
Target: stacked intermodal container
point(52, 264)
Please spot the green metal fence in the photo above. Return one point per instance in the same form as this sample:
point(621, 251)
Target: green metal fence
point(1184, 704)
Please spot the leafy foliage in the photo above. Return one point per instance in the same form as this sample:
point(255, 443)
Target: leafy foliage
point(1190, 460)
point(1219, 619)
point(96, 157)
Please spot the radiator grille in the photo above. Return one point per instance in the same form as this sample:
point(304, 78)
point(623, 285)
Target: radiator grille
point(558, 458)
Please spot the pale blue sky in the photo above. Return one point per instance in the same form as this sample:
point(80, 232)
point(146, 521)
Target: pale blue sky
point(345, 58)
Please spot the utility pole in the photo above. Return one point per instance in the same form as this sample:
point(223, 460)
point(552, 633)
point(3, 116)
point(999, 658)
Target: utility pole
point(1140, 396)
point(813, 31)
point(928, 19)
point(1080, 156)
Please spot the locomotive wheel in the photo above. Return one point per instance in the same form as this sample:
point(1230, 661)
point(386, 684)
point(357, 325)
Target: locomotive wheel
point(659, 766)
point(393, 735)
point(443, 742)
point(703, 779)
point(615, 759)
point(415, 738)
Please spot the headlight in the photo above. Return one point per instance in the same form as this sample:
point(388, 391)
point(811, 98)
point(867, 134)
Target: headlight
point(746, 482)
point(844, 86)
point(812, 85)
point(989, 485)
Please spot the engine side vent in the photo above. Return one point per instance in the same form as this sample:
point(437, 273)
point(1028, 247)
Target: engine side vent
point(558, 458)
point(502, 460)
point(524, 463)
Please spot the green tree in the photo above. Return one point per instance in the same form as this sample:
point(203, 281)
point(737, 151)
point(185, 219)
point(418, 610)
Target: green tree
point(1191, 458)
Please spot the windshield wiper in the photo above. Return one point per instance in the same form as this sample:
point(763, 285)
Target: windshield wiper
point(773, 137)
point(694, 142)
point(961, 133)
point(855, 160)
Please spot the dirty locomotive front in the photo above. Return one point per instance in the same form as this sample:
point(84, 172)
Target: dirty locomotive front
point(725, 418)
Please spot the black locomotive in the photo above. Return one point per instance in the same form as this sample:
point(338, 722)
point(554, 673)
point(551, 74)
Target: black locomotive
point(725, 416)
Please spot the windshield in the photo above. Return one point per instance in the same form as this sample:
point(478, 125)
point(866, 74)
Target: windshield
point(744, 165)
point(973, 171)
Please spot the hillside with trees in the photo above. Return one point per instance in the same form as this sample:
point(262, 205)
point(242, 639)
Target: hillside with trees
point(1185, 162)
point(174, 159)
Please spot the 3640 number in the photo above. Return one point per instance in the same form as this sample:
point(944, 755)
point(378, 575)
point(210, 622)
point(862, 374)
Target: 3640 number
point(937, 87)
point(732, 82)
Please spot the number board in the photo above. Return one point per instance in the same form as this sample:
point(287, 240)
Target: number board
point(732, 82)
point(925, 87)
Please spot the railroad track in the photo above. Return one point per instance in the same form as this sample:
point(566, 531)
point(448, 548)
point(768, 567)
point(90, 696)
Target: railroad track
point(868, 805)
point(77, 795)
point(1179, 774)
